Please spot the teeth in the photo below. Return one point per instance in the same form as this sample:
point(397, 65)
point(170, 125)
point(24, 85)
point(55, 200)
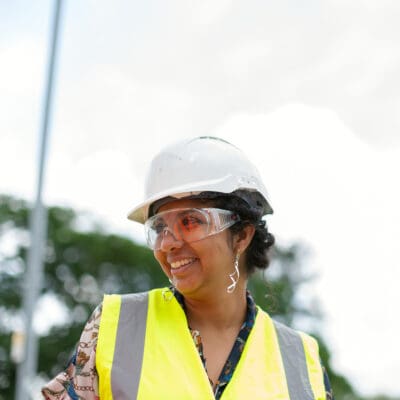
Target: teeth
point(180, 263)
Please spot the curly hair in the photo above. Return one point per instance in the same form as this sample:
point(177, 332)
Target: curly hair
point(257, 254)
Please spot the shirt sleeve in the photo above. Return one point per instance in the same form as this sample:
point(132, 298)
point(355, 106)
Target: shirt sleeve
point(79, 381)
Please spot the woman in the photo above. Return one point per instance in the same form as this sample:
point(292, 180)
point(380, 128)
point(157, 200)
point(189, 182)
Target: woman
point(202, 338)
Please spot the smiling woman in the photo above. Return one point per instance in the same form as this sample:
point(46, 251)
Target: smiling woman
point(203, 337)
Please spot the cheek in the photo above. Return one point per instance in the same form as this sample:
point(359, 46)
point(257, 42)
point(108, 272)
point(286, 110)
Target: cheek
point(160, 257)
point(218, 250)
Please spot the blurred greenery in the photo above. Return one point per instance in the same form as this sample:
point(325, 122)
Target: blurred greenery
point(83, 261)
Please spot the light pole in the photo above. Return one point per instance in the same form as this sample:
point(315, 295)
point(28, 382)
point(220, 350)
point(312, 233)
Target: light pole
point(26, 370)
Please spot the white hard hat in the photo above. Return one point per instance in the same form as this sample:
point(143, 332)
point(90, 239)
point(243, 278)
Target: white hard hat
point(194, 166)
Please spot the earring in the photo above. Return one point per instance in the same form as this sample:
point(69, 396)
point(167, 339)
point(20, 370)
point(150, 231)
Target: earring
point(235, 275)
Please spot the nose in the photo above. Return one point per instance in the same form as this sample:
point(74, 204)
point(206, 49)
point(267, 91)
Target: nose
point(168, 240)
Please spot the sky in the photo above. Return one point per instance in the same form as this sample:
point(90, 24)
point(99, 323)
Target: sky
point(308, 90)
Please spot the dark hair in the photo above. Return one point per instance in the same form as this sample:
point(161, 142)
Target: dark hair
point(257, 254)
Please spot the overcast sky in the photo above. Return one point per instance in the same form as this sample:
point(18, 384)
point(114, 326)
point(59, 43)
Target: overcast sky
point(309, 90)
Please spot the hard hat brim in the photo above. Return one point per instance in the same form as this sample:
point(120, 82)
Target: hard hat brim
point(227, 185)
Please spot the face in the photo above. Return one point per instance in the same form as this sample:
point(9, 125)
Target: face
point(197, 268)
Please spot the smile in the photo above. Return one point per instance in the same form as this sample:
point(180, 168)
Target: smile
point(182, 263)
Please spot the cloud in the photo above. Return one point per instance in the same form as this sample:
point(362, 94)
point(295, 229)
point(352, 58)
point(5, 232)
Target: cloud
point(260, 56)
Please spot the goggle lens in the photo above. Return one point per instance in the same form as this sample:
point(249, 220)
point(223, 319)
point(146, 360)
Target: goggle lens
point(188, 224)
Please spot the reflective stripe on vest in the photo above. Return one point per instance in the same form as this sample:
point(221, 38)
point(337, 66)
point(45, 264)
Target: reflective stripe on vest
point(141, 354)
point(121, 337)
point(291, 347)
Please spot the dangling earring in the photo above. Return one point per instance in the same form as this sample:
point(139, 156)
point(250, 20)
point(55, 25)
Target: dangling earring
point(235, 275)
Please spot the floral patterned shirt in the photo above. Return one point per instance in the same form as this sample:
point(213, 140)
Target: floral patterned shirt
point(80, 380)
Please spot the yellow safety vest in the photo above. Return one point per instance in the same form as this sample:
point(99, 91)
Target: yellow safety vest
point(145, 351)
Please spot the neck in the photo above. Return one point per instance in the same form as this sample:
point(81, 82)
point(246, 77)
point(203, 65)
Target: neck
point(225, 311)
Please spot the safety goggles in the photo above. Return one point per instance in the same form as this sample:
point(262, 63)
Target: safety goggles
point(187, 224)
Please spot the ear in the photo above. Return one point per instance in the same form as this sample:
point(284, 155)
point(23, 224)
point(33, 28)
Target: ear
point(242, 239)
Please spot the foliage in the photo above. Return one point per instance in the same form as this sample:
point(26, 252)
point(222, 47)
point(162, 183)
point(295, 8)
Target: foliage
point(82, 262)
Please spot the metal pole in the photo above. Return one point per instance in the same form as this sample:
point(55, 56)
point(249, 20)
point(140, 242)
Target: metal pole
point(26, 371)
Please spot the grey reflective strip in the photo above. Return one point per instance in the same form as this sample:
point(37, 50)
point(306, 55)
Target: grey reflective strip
point(129, 346)
point(294, 362)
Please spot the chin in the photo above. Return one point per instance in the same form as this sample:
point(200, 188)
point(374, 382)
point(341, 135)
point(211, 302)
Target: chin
point(185, 287)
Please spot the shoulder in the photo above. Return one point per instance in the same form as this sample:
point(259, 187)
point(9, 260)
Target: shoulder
point(289, 337)
point(300, 355)
point(127, 297)
point(79, 380)
point(92, 324)
point(135, 297)
point(113, 304)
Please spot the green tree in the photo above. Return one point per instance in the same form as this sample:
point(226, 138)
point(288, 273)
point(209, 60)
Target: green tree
point(82, 262)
